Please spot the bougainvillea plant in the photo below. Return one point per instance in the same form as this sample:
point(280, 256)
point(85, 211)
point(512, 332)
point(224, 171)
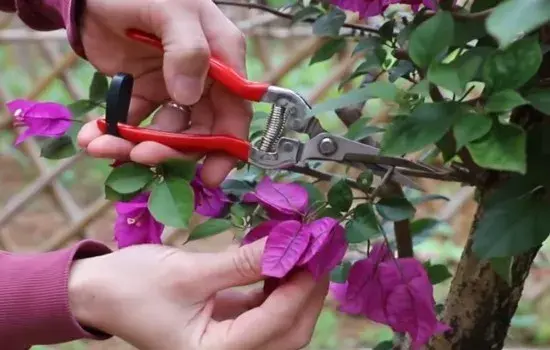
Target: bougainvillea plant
point(466, 86)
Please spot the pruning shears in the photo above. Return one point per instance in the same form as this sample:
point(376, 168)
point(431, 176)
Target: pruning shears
point(290, 113)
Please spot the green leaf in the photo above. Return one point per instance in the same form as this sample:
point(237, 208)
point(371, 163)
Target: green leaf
point(329, 211)
point(209, 228)
point(424, 226)
point(340, 196)
point(470, 127)
point(172, 202)
point(367, 44)
point(305, 13)
point(446, 76)
point(129, 178)
point(502, 148)
point(314, 194)
point(431, 39)
point(466, 30)
point(81, 107)
point(236, 187)
point(426, 124)
point(59, 148)
point(438, 273)
point(513, 18)
point(385, 345)
point(478, 6)
point(513, 67)
point(455, 75)
point(395, 208)
point(327, 50)
point(365, 179)
point(503, 267)
point(181, 168)
point(364, 224)
point(340, 273)
point(358, 131)
point(379, 89)
point(114, 196)
point(504, 101)
point(386, 30)
point(512, 227)
point(329, 24)
point(401, 68)
point(239, 212)
point(98, 87)
point(363, 69)
point(539, 99)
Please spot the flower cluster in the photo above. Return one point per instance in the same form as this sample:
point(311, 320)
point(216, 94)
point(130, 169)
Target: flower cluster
point(135, 224)
point(394, 292)
point(292, 241)
point(370, 8)
point(45, 119)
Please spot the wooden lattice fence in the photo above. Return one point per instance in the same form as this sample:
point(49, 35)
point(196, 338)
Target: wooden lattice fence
point(47, 60)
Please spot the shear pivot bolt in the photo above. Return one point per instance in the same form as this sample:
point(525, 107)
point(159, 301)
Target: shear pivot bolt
point(327, 146)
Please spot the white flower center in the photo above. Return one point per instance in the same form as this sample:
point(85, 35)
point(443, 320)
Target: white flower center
point(18, 112)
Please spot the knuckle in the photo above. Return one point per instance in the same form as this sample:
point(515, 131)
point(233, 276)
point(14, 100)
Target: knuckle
point(244, 261)
point(303, 339)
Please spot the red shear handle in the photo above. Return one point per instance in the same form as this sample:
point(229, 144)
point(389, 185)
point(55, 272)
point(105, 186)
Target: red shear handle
point(184, 142)
point(249, 90)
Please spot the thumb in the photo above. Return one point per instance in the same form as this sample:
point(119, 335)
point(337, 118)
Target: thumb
point(186, 52)
point(232, 268)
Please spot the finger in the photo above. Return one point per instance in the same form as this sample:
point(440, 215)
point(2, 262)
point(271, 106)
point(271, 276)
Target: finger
point(231, 268)
point(186, 50)
point(274, 317)
point(230, 304)
point(87, 133)
point(301, 332)
point(170, 119)
point(232, 116)
point(153, 153)
point(140, 108)
point(225, 40)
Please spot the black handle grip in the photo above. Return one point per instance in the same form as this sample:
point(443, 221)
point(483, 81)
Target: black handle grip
point(118, 101)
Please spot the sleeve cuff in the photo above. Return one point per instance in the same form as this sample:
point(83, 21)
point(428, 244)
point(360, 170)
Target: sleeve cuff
point(34, 303)
point(54, 14)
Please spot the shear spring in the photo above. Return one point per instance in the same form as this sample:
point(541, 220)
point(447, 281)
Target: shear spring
point(274, 128)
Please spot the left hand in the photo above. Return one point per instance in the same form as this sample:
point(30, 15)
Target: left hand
point(159, 297)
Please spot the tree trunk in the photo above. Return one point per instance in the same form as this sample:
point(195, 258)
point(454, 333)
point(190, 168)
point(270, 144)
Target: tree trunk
point(480, 304)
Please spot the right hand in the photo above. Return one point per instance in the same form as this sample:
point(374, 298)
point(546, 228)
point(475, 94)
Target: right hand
point(191, 30)
point(162, 298)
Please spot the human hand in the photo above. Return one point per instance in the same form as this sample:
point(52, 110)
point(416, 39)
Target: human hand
point(159, 297)
point(191, 30)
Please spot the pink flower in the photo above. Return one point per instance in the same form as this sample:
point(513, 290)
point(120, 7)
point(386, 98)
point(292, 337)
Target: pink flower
point(135, 224)
point(47, 119)
point(210, 202)
point(395, 292)
point(280, 200)
point(371, 8)
point(319, 245)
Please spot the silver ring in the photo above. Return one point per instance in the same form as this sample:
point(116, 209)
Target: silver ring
point(183, 108)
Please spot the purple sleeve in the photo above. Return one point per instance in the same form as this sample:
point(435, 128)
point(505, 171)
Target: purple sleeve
point(34, 301)
point(47, 15)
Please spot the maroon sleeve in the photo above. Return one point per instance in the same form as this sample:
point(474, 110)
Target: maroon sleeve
point(34, 300)
point(47, 15)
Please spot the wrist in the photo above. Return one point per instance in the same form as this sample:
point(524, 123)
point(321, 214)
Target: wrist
point(86, 296)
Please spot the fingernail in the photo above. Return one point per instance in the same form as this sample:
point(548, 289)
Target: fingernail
point(186, 90)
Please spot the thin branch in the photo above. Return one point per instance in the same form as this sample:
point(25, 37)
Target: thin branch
point(289, 16)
